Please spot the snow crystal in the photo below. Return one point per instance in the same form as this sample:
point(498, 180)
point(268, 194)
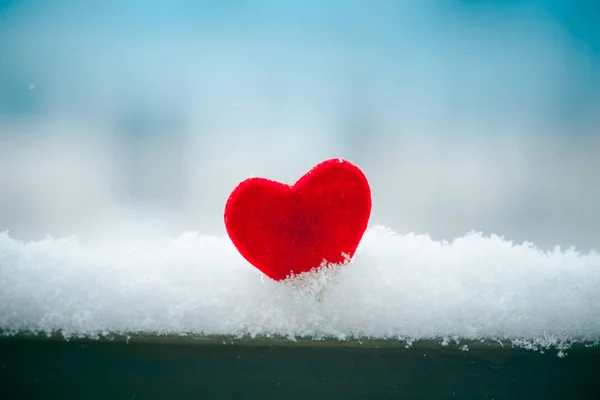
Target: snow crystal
point(397, 286)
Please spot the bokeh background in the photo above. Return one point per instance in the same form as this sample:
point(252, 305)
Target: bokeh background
point(132, 117)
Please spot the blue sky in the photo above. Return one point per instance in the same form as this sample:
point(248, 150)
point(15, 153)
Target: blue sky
point(503, 47)
point(465, 114)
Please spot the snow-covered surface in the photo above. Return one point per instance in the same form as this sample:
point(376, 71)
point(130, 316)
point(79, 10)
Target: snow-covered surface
point(397, 286)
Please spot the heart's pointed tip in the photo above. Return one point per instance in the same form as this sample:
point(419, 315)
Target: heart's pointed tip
point(293, 276)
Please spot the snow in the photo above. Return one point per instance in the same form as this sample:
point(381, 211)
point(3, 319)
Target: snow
point(397, 286)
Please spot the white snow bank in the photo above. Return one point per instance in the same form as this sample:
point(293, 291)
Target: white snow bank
point(409, 287)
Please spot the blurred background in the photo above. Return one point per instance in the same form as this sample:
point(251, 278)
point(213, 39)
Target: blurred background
point(139, 117)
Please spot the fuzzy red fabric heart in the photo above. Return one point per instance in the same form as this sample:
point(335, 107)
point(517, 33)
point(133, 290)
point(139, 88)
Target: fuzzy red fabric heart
point(284, 230)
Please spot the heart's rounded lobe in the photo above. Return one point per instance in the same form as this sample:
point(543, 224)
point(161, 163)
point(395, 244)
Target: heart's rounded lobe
point(284, 230)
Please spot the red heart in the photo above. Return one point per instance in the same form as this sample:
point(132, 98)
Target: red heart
point(283, 229)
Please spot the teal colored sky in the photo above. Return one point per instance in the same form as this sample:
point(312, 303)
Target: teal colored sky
point(506, 48)
point(465, 114)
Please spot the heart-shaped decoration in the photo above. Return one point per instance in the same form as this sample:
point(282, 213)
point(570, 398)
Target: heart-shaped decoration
point(284, 230)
